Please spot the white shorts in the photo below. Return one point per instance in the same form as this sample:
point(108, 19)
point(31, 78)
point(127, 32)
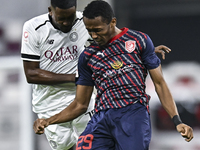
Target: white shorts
point(64, 135)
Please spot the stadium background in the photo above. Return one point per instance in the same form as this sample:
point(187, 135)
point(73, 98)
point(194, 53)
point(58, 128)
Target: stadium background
point(172, 23)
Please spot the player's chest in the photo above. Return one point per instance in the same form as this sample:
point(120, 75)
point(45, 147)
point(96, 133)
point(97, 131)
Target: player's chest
point(58, 45)
point(113, 59)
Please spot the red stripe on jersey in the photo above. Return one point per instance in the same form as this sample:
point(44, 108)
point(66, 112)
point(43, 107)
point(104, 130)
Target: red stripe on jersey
point(103, 62)
point(108, 101)
point(122, 95)
point(89, 54)
point(133, 83)
point(127, 89)
point(143, 35)
point(136, 71)
point(114, 95)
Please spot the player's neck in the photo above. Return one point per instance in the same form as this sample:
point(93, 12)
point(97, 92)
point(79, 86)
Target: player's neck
point(52, 22)
point(116, 32)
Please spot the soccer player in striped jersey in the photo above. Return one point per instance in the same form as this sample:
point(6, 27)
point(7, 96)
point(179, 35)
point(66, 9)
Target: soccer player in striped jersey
point(51, 45)
point(117, 64)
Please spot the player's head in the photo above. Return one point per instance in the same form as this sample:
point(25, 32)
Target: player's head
point(63, 13)
point(99, 20)
point(63, 4)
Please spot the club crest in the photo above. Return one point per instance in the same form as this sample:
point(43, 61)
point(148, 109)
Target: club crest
point(117, 64)
point(26, 34)
point(73, 37)
point(130, 46)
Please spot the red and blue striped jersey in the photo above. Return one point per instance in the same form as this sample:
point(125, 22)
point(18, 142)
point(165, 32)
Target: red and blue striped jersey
point(119, 69)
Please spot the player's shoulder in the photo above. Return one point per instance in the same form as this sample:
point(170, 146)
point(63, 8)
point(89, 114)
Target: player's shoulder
point(86, 55)
point(137, 33)
point(92, 47)
point(90, 50)
point(37, 21)
point(140, 37)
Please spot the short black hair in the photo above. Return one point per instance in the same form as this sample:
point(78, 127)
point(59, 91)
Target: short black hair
point(99, 8)
point(63, 4)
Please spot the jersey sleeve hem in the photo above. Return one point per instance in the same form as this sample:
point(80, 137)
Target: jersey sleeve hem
point(30, 57)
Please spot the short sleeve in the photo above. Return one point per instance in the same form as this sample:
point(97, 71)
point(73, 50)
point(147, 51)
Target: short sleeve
point(149, 57)
point(30, 47)
point(84, 72)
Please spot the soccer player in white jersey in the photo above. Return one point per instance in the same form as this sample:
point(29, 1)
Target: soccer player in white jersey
point(51, 45)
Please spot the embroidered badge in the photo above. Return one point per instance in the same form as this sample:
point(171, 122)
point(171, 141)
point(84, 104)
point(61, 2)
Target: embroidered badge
point(130, 46)
point(26, 36)
point(73, 37)
point(117, 64)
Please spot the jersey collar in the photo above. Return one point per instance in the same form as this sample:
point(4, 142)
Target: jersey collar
point(124, 30)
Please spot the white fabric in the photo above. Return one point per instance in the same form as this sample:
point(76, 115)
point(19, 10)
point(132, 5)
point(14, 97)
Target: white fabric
point(58, 52)
point(63, 136)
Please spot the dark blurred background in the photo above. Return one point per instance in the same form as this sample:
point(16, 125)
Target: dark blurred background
point(174, 23)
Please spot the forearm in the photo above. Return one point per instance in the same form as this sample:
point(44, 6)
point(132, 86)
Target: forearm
point(170, 106)
point(166, 99)
point(69, 113)
point(168, 102)
point(39, 76)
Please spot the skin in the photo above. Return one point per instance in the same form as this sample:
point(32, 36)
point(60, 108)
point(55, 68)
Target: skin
point(162, 49)
point(63, 19)
point(36, 75)
point(102, 33)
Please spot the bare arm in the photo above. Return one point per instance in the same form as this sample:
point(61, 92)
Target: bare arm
point(163, 91)
point(38, 76)
point(75, 109)
point(162, 49)
point(167, 101)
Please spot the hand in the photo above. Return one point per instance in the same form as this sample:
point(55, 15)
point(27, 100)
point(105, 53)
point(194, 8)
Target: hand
point(162, 49)
point(39, 126)
point(186, 131)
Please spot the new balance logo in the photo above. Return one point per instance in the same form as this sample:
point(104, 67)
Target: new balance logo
point(50, 41)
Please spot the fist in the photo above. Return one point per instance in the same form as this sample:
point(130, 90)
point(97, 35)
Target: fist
point(39, 126)
point(186, 131)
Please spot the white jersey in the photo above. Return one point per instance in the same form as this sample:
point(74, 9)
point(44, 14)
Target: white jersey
point(57, 52)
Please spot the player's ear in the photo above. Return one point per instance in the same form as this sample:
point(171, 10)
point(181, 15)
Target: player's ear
point(113, 22)
point(50, 10)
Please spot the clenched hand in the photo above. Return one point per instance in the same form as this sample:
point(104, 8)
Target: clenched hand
point(39, 126)
point(186, 131)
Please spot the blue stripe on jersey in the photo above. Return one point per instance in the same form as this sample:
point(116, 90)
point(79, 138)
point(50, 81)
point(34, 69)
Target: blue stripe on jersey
point(118, 74)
